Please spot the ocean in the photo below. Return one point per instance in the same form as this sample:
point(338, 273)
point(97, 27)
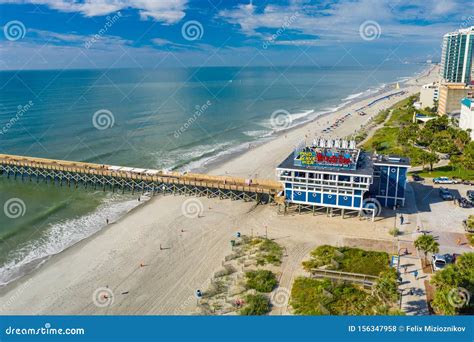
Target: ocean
point(182, 118)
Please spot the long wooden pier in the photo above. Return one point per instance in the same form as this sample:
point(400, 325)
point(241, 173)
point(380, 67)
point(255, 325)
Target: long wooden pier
point(121, 178)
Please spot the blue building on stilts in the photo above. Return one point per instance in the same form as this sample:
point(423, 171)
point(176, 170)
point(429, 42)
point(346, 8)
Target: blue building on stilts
point(335, 175)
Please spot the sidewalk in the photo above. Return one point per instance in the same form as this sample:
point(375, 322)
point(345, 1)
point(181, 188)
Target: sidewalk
point(415, 303)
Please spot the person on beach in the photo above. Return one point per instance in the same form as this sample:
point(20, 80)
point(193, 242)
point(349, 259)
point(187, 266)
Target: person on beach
point(107, 220)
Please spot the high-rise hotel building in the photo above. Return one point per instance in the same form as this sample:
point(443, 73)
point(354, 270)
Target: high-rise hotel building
point(457, 56)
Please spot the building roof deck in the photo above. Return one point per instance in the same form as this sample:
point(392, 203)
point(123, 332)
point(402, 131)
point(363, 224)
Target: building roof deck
point(391, 160)
point(364, 166)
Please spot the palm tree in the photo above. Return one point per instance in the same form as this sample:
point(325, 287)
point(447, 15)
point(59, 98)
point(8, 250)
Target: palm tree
point(427, 244)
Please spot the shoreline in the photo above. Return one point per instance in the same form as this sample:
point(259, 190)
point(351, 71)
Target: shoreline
point(218, 161)
point(269, 152)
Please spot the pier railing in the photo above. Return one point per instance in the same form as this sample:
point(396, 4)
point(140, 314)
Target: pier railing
point(118, 178)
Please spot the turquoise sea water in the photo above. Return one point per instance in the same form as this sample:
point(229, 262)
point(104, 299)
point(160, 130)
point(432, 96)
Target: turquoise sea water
point(174, 119)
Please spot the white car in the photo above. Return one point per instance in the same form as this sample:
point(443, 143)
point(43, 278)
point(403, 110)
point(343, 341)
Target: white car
point(439, 261)
point(443, 180)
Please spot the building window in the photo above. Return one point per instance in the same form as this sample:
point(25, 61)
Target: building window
point(344, 178)
point(300, 174)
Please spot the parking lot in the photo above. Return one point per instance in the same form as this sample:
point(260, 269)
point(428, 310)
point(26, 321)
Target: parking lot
point(440, 218)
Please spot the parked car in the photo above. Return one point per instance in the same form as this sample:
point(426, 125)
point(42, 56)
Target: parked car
point(439, 261)
point(417, 177)
point(443, 180)
point(445, 194)
point(470, 195)
point(464, 203)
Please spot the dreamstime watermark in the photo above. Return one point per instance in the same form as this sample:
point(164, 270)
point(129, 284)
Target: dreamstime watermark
point(192, 30)
point(21, 110)
point(103, 297)
point(103, 119)
point(287, 21)
point(280, 119)
point(459, 297)
point(14, 208)
point(47, 329)
point(280, 297)
point(14, 297)
point(192, 208)
point(370, 30)
point(14, 30)
point(466, 21)
point(371, 207)
point(199, 110)
point(190, 300)
point(109, 22)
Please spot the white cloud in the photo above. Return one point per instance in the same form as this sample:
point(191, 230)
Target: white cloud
point(341, 20)
point(166, 11)
point(161, 42)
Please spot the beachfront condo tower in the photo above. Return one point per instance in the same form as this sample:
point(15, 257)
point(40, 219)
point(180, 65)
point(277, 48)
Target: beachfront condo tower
point(335, 175)
point(457, 56)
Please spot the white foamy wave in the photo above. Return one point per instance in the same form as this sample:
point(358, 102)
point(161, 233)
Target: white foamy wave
point(258, 133)
point(403, 79)
point(62, 235)
point(184, 156)
point(199, 164)
point(202, 150)
point(295, 118)
point(353, 96)
point(334, 109)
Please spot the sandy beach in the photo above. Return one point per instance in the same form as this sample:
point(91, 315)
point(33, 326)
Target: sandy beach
point(152, 260)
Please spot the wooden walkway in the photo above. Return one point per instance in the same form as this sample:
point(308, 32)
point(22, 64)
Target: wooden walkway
point(121, 178)
point(364, 279)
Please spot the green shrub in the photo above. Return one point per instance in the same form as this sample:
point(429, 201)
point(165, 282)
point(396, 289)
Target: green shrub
point(255, 305)
point(269, 252)
point(394, 232)
point(323, 297)
point(261, 280)
point(347, 259)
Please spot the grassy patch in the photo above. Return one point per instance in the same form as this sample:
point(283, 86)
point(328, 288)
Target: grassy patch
point(394, 232)
point(384, 141)
point(360, 136)
point(448, 171)
point(269, 252)
point(470, 239)
point(261, 280)
point(381, 116)
point(255, 305)
point(402, 113)
point(348, 259)
point(323, 297)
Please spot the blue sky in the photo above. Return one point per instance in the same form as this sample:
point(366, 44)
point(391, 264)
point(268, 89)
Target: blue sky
point(57, 34)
